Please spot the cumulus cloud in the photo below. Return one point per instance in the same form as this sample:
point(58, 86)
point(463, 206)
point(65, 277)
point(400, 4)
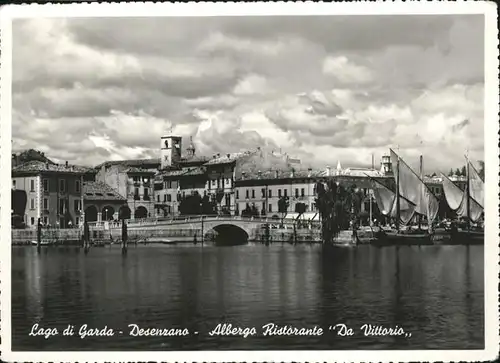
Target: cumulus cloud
point(320, 88)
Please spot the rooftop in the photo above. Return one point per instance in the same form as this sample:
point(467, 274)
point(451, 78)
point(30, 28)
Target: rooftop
point(152, 162)
point(227, 158)
point(40, 166)
point(100, 191)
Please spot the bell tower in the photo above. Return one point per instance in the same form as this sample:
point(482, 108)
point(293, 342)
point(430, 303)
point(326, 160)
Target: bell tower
point(386, 165)
point(170, 150)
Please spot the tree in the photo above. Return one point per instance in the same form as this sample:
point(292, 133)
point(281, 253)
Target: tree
point(464, 171)
point(450, 173)
point(458, 172)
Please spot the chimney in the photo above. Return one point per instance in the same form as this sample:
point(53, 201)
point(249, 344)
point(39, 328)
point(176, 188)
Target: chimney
point(228, 155)
point(309, 172)
point(328, 171)
point(46, 165)
point(292, 174)
point(66, 163)
point(259, 173)
point(218, 155)
point(243, 174)
point(276, 174)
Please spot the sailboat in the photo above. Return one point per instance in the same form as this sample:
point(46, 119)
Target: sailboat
point(418, 201)
point(468, 204)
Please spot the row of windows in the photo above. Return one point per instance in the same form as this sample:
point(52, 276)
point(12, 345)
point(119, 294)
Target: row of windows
point(270, 207)
point(270, 193)
point(77, 205)
point(166, 198)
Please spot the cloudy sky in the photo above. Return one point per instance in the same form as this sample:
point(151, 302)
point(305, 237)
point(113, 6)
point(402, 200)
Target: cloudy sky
point(322, 89)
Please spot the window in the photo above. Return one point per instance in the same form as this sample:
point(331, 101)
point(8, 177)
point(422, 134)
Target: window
point(45, 203)
point(62, 185)
point(46, 185)
point(237, 194)
point(296, 192)
point(32, 203)
point(279, 193)
point(270, 192)
point(136, 193)
point(247, 192)
point(77, 205)
point(285, 192)
point(77, 186)
point(158, 198)
point(77, 221)
point(169, 184)
point(32, 185)
point(14, 184)
point(169, 198)
point(46, 220)
point(302, 192)
point(61, 206)
point(253, 193)
point(32, 221)
point(146, 193)
point(270, 207)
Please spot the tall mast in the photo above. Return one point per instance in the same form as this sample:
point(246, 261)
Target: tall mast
point(468, 192)
point(421, 189)
point(398, 206)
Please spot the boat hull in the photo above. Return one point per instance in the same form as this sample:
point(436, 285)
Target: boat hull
point(467, 237)
point(393, 238)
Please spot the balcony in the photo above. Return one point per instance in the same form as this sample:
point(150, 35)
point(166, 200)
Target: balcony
point(137, 197)
point(146, 197)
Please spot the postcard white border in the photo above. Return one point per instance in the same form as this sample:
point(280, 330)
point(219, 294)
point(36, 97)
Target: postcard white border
point(488, 9)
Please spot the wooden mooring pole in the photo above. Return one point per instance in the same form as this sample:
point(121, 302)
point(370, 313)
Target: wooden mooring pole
point(86, 237)
point(124, 237)
point(39, 235)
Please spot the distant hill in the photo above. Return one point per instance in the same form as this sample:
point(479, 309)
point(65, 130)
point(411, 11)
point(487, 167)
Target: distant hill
point(29, 155)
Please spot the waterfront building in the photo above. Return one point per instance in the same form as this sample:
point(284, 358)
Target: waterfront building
point(264, 189)
point(102, 203)
point(134, 183)
point(54, 192)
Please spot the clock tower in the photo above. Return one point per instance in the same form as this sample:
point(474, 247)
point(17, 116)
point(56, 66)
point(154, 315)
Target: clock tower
point(170, 151)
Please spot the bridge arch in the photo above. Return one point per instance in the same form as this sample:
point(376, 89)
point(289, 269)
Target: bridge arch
point(228, 234)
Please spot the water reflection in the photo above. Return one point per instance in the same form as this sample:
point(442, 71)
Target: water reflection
point(436, 293)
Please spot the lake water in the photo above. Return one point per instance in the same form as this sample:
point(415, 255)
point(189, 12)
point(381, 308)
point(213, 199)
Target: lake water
point(436, 293)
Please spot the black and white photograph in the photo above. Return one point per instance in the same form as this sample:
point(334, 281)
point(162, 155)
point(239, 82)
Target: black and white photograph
point(249, 182)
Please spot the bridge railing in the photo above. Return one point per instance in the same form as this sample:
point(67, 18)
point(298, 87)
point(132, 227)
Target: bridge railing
point(194, 219)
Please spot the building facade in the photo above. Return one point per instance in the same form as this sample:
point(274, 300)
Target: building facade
point(54, 193)
point(133, 183)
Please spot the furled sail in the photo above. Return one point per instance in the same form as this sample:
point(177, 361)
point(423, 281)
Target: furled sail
point(414, 189)
point(386, 201)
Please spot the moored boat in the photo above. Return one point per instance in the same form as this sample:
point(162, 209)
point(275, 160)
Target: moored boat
point(467, 204)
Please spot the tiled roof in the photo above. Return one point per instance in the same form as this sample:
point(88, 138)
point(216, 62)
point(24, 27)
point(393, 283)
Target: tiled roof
point(227, 158)
point(134, 162)
point(39, 166)
point(139, 170)
point(281, 174)
point(100, 191)
point(194, 171)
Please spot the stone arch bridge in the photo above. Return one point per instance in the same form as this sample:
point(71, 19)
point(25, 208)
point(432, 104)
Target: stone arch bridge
point(226, 227)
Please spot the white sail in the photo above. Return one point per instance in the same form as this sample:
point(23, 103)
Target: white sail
point(386, 202)
point(457, 200)
point(414, 189)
